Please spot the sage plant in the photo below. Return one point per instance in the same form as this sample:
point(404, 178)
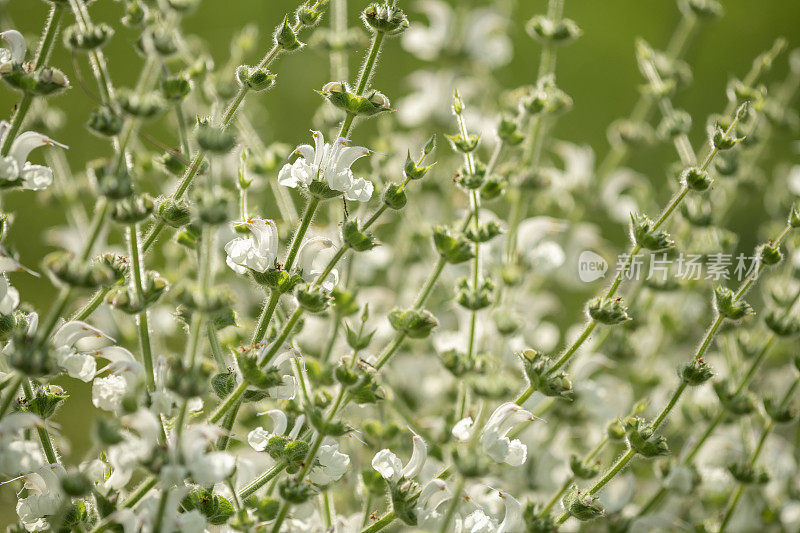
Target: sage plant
point(373, 326)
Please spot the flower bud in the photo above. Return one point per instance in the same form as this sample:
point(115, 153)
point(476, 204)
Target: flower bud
point(255, 78)
point(417, 324)
point(695, 372)
point(770, 254)
point(546, 30)
point(404, 496)
point(313, 299)
point(643, 440)
point(295, 492)
point(105, 122)
point(309, 13)
point(630, 133)
point(729, 306)
point(76, 273)
point(463, 145)
point(778, 411)
point(475, 298)
point(454, 249)
point(46, 400)
point(721, 140)
point(215, 508)
point(484, 233)
point(161, 38)
point(277, 279)
point(92, 38)
point(215, 140)
point(508, 132)
point(696, 179)
point(472, 179)
point(223, 384)
point(609, 312)
point(736, 403)
point(678, 122)
point(132, 210)
point(176, 88)
point(355, 239)
point(49, 81)
point(582, 470)
point(697, 211)
point(706, 9)
point(144, 106)
point(726, 163)
point(174, 213)
point(794, 217)
point(382, 17)
point(644, 234)
point(213, 206)
point(493, 187)
point(286, 37)
point(254, 375)
point(538, 370)
point(748, 474)
point(581, 505)
point(340, 95)
point(76, 484)
point(394, 196)
point(115, 184)
point(414, 170)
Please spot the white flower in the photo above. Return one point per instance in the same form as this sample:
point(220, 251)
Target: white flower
point(329, 163)
point(15, 166)
point(9, 297)
point(44, 496)
point(314, 255)
point(259, 437)
point(257, 251)
point(136, 447)
point(126, 372)
point(479, 522)
point(389, 466)
point(462, 430)
point(18, 455)
point(9, 264)
point(14, 54)
point(78, 363)
point(206, 468)
point(432, 496)
point(494, 440)
point(331, 463)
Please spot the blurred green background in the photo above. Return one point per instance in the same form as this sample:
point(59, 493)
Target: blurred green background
point(598, 71)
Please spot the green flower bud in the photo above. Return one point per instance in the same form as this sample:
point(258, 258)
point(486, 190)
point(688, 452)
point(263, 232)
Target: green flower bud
point(255, 78)
point(215, 140)
point(92, 38)
point(132, 210)
point(581, 505)
point(295, 492)
point(373, 482)
point(463, 145)
point(214, 206)
point(175, 213)
point(161, 38)
point(739, 404)
point(508, 132)
point(794, 217)
point(696, 179)
point(475, 298)
point(114, 184)
point(404, 498)
point(266, 509)
point(695, 372)
point(783, 326)
point(29, 356)
point(778, 411)
point(74, 272)
point(254, 375)
point(135, 14)
point(309, 13)
point(216, 509)
point(729, 306)
point(770, 254)
point(471, 179)
point(394, 196)
point(537, 369)
point(417, 324)
point(313, 299)
point(484, 233)
point(720, 140)
point(582, 470)
point(697, 211)
point(176, 88)
point(286, 37)
point(49, 81)
point(104, 122)
point(706, 9)
point(46, 400)
point(748, 474)
point(144, 106)
point(546, 30)
point(413, 170)
point(355, 239)
point(295, 451)
point(644, 234)
point(506, 322)
point(609, 312)
point(382, 17)
point(493, 187)
point(453, 249)
point(677, 123)
point(340, 96)
point(277, 279)
point(357, 340)
point(615, 431)
point(738, 92)
point(344, 302)
point(643, 439)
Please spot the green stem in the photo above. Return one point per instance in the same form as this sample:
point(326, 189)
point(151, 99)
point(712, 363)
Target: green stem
point(266, 316)
point(260, 481)
point(10, 395)
point(308, 216)
point(387, 519)
point(216, 347)
point(141, 317)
